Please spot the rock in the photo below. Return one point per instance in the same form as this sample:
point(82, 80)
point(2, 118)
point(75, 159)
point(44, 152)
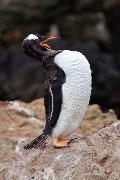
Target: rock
point(112, 16)
point(20, 76)
point(95, 157)
point(95, 119)
point(86, 17)
point(21, 122)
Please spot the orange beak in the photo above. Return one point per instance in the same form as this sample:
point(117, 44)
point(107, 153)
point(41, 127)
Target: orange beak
point(46, 45)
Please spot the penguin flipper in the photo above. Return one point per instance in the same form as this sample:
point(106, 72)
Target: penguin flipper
point(53, 100)
point(39, 141)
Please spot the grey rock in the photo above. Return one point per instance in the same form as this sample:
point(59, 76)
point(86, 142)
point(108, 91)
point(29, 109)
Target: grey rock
point(87, 158)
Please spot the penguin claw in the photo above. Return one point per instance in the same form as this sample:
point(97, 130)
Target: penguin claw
point(71, 140)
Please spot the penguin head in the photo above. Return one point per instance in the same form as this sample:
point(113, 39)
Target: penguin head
point(40, 42)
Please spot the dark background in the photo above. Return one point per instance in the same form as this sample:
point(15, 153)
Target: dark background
point(89, 26)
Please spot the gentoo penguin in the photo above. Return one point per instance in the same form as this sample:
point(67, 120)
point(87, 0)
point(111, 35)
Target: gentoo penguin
point(67, 89)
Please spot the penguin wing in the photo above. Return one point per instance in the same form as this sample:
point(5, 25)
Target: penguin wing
point(53, 99)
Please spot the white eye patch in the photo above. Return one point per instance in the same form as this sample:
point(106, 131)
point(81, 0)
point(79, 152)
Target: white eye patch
point(31, 36)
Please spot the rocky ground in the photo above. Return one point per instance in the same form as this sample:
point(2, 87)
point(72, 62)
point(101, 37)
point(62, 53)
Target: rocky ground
point(93, 155)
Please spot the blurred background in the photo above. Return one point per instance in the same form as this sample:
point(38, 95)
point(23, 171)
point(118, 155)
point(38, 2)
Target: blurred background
point(89, 26)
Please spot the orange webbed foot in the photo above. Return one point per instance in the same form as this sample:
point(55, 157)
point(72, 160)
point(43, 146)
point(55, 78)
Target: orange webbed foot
point(58, 142)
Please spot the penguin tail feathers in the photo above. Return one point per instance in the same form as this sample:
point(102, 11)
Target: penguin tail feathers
point(39, 141)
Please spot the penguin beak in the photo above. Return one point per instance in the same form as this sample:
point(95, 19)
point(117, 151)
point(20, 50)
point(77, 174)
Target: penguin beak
point(47, 47)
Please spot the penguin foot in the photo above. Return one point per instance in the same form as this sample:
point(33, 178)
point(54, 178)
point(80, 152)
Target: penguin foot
point(60, 142)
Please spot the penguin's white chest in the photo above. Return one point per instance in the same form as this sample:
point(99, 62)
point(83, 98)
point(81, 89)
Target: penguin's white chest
point(76, 91)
